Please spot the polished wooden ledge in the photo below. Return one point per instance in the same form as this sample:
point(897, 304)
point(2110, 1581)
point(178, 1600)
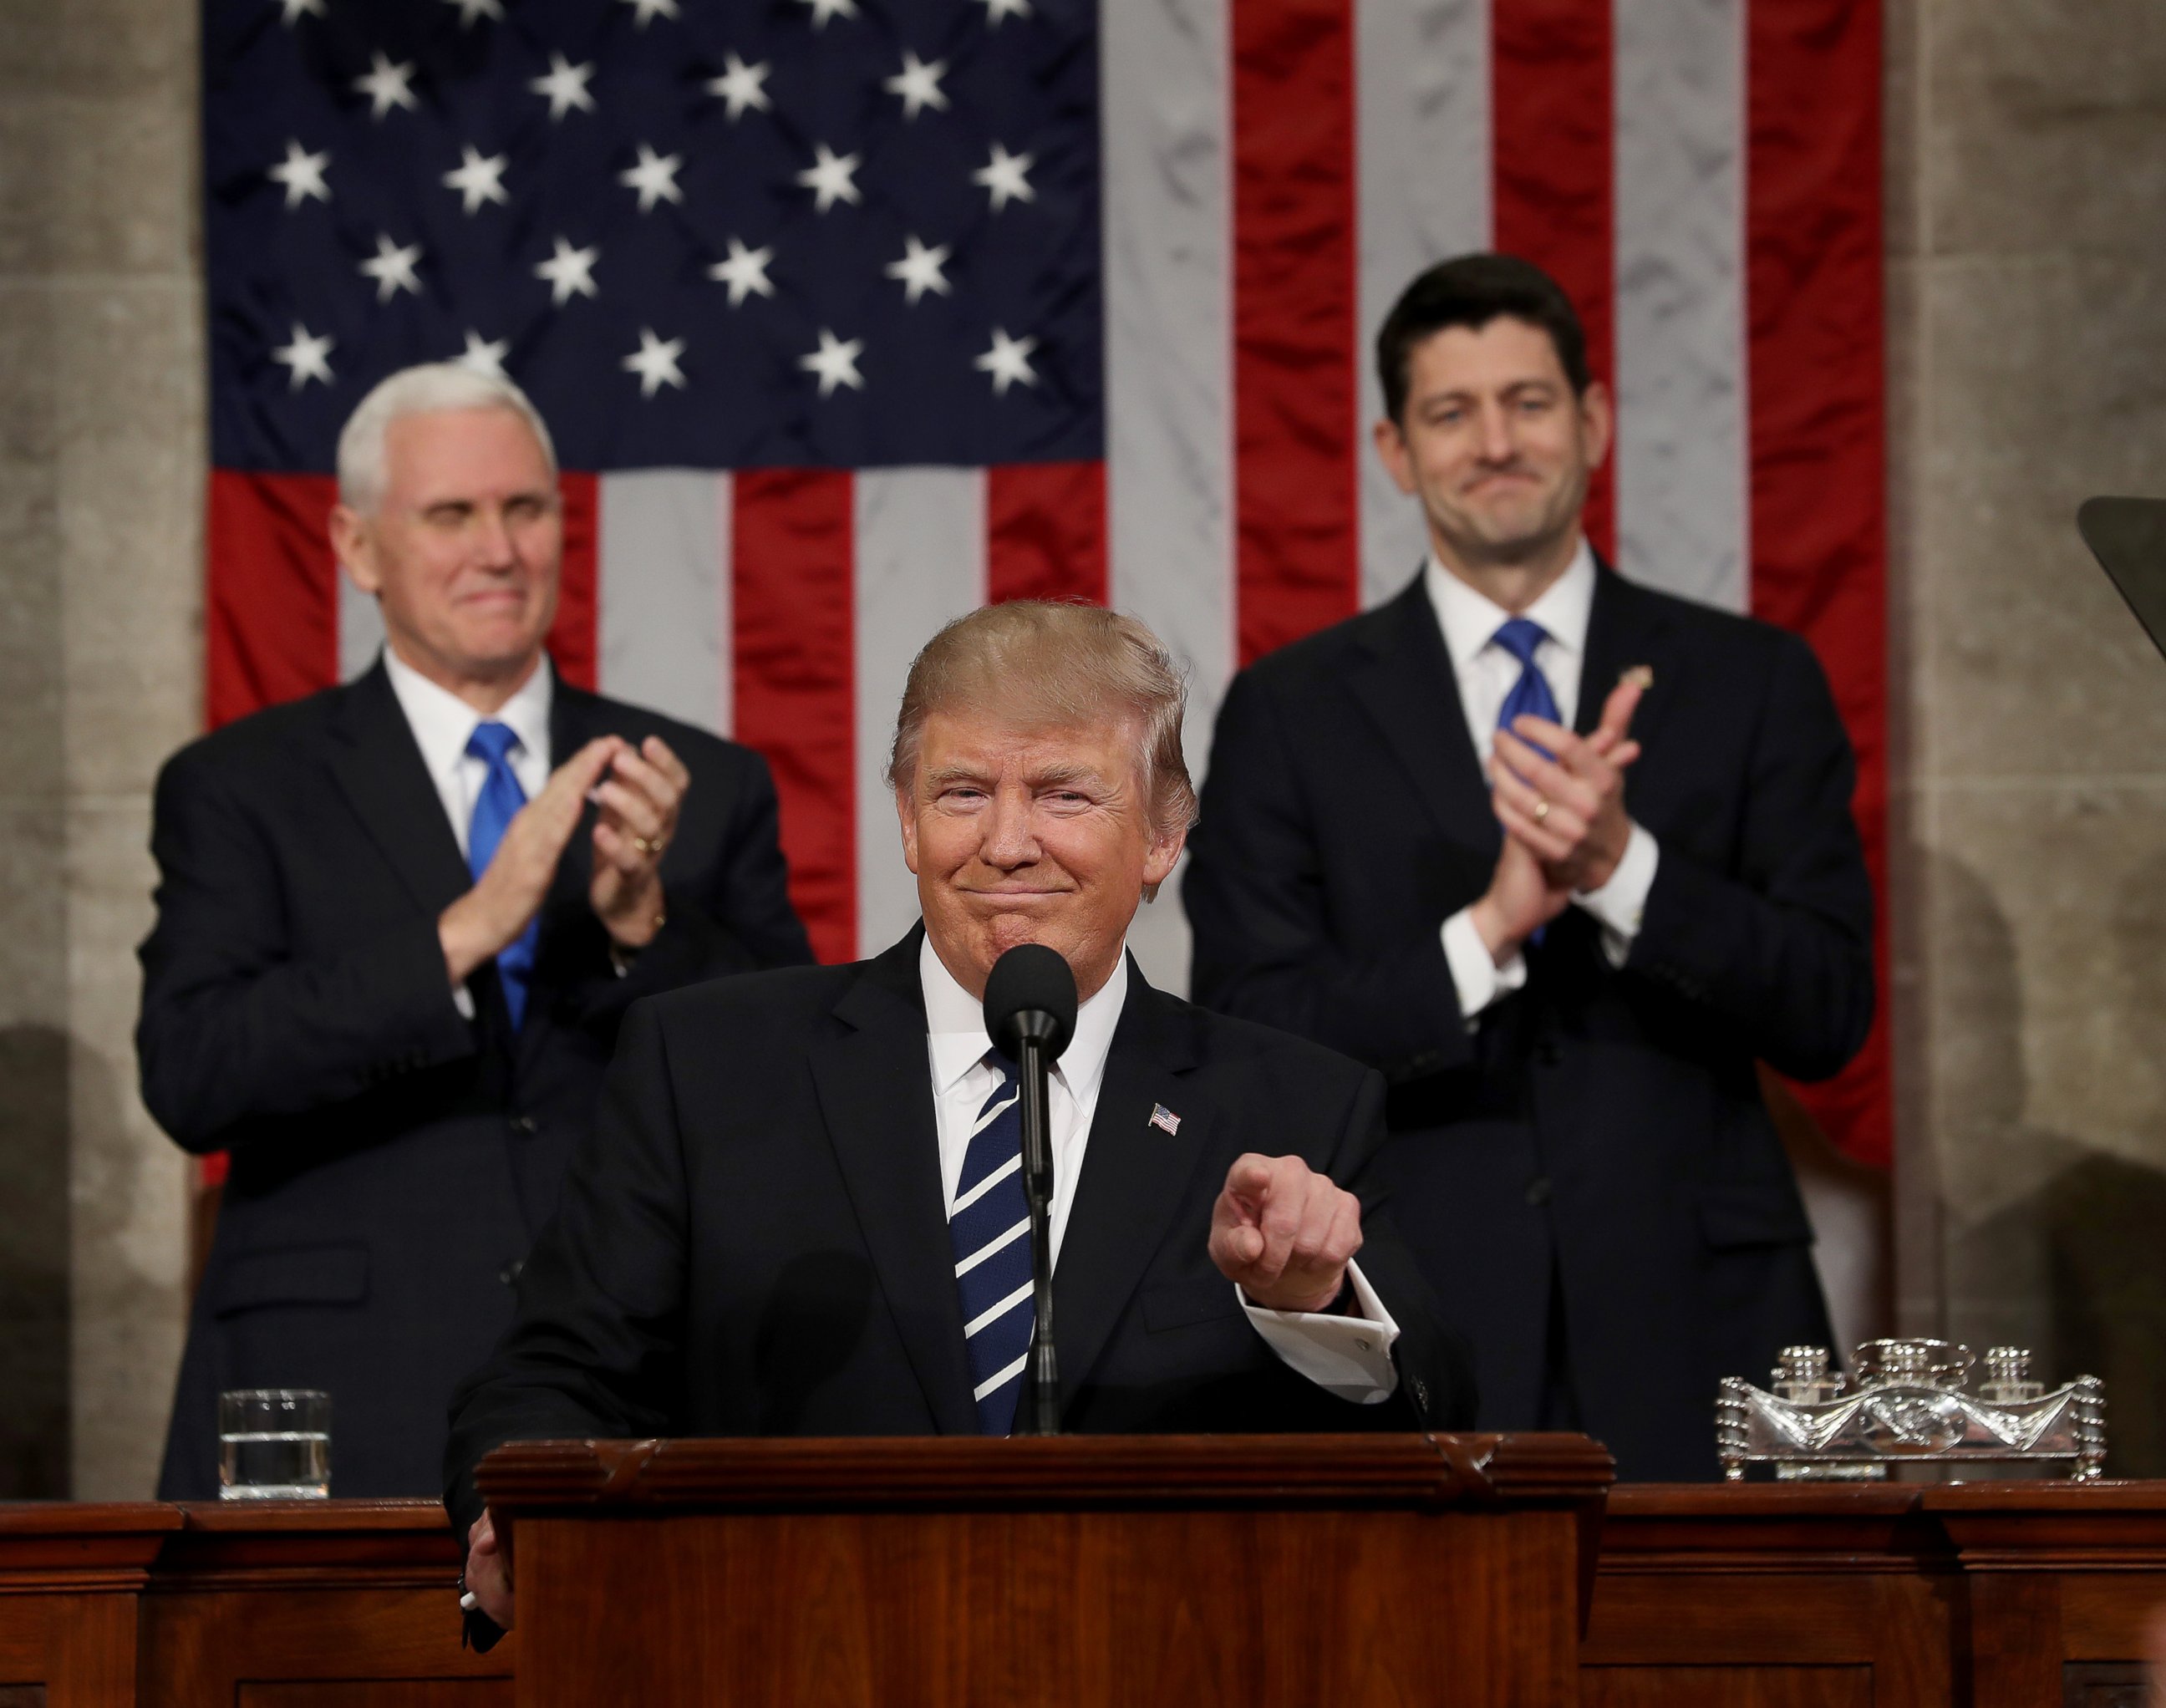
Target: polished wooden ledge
point(1783, 1595)
point(306, 1603)
point(1273, 1570)
point(1985, 1594)
point(1066, 1473)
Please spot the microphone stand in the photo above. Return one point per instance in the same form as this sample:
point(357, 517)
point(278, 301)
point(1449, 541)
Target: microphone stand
point(1038, 1412)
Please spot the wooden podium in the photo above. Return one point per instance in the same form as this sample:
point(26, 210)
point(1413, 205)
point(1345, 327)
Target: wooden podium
point(1265, 1571)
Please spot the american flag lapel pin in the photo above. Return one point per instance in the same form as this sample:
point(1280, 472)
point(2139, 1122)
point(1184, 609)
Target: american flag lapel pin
point(1164, 1118)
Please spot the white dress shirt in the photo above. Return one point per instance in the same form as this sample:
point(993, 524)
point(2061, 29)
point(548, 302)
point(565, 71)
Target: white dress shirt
point(1487, 674)
point(442, 725)
point(1350, 1356)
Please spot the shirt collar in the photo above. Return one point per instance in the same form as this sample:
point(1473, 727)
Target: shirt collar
point(955, 1027)
point(442, 723)
point(1470, 620)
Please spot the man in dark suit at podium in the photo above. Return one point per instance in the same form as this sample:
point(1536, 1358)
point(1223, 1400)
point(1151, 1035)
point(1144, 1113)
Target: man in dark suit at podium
point(802, 1212)
point(398, 925)
point(1428, 840)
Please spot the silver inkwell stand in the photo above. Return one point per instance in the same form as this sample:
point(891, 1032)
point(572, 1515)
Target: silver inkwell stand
point(1908, 1402)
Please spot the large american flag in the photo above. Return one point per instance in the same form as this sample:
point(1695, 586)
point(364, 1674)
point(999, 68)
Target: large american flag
point(850, 314)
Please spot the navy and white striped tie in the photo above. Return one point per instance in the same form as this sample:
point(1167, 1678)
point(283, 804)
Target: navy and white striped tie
point(989, 1231)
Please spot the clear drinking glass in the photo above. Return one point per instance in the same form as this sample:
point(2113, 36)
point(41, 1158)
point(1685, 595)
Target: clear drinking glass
point(274, 1444)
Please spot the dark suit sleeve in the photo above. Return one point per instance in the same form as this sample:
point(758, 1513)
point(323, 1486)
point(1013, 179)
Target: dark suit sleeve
point(595, 1347)
point(234, 1024)
point(1780, 949)
point(1436, 1371)
point(1256, 898)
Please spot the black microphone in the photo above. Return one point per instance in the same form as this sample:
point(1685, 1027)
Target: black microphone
point(1030, 1015)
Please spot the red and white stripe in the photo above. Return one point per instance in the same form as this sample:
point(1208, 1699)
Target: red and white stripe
point(1703, 177)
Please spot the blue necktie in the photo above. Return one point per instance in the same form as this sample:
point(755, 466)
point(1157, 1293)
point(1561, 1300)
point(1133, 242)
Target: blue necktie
point(1530, 694)
point(500, 798)
point(990, 1233)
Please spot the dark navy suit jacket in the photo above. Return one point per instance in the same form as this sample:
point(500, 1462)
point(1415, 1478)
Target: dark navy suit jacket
point(754, 1242)
point(1602, 1126)
point(391, 1161)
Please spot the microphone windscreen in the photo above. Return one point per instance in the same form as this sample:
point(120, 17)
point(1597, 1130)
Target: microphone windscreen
point(1031, 989)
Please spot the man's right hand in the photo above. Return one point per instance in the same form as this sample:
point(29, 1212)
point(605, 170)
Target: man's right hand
point(1521, 898)
point(489, 1571)
point(489, 917)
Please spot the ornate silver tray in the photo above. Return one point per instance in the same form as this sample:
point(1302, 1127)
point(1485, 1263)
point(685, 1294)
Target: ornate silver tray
point(1907, 1402)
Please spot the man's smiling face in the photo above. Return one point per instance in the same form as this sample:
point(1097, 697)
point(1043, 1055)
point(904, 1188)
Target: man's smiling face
point(1029, 835)
point(1495, 442)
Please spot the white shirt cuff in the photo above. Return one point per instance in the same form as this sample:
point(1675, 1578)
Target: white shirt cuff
point(462, 1000)
point(1477, 977)
point(1621, 904)
point(1347, 1356)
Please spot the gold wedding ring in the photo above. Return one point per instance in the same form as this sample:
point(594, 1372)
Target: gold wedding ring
point(1541, 809)
point(646, 845)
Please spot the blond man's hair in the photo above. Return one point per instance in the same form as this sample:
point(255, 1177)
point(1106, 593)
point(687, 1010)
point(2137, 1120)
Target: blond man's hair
point(1037, 664)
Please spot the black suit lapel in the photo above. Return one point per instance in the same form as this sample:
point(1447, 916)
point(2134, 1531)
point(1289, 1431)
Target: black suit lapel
point(876, 1093)
point(1408, 688)
point(1136, 1176)
point(378, 766)
point(1625, 628)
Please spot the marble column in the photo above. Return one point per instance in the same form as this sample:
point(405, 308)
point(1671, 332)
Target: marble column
point(101, 472)
point(2026, 178)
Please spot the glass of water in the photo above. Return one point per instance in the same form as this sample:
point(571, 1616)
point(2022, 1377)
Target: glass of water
point(274, 1444)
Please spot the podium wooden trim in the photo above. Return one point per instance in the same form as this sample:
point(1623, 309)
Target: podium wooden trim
point(1270, 1570)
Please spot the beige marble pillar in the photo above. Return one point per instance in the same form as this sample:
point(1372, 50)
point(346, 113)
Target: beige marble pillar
point(2028, 292)
point(100, 460)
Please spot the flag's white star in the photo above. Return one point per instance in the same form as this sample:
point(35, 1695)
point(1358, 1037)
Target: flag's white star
point(655, 177)
point(829, 178)
point(995, 10)
point(745, 272)
point(647, 9)
point(482, 355)
point(302, 173)
point(570, 273)
point(919, 269)
point(386, 85)
point(303, 358)
point(741, 86)
point(392, 267)
point(919, 85)
point(290, 12)
point(836, 363)
point(1008, 362)
point(566, 87)
point(655, 363)
point(469, 10)
point(822, 10)
point(479, 179)
point(1003, 175)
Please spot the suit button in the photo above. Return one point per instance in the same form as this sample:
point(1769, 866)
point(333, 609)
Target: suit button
point(1547, 1053)
point(510, 1273)
point(525, 1124)
point(1538, 1190)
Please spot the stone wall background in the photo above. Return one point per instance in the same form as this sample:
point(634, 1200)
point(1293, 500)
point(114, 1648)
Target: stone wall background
point(2026, 177)
point(101, 460)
